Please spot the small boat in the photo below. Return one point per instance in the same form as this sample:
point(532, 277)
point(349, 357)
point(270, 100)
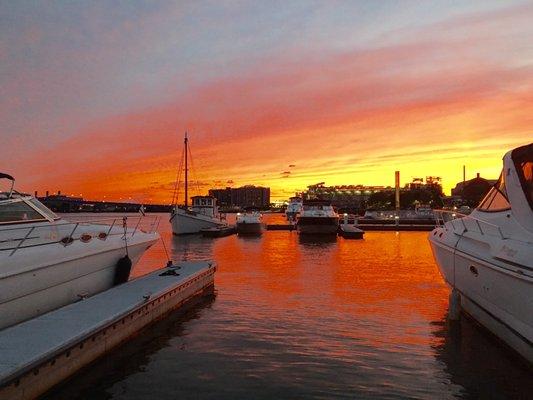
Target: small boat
point(249, 223)
point(486, 257)
point(204, 212)
point(348, 231)
point(317, 217)
point(293, 208)
point(218, 231)
point(48, 262)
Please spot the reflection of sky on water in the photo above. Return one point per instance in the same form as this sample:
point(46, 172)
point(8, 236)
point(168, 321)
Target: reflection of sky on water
point(311, 319)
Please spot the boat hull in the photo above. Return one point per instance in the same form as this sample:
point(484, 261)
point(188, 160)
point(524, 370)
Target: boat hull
point(291, 215)
point(253, 228)
point(497, 297)
point(318, 225)
point(36, 291)
point(185, 222)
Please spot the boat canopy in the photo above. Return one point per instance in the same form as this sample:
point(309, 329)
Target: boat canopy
point(516, 185)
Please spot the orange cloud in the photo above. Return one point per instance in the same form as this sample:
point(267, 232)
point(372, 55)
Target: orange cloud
point(344, 118)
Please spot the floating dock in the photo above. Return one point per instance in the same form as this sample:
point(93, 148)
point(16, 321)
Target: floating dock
point(42, 352)
point(394, 227)
point(218, 232)
point(350, 232)
point(281, 227)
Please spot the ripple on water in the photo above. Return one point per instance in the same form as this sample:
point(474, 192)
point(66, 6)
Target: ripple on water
point(301, 318)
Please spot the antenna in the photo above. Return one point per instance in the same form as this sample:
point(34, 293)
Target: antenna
point(186, 143)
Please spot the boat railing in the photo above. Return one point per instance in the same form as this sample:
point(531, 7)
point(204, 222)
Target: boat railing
point(462, 223)
point(82, 228)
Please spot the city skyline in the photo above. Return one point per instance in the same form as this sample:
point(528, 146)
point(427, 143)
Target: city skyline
point(96, 99)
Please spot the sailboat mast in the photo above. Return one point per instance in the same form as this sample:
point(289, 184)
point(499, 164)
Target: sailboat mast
point(186, 142)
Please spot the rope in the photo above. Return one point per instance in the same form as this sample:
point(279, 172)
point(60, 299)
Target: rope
point(169, 262)
point(125, 225)
point(175, 196)
point(193, 172)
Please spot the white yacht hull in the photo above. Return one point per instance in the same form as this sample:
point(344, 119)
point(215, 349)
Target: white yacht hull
point(186, 222)
point(495, 295)
point(318, 225)
point(291, 215)
point(53, 284)
point(253, 228)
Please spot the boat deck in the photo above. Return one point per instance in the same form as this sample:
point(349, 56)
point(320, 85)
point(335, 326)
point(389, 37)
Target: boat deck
point(41, 352)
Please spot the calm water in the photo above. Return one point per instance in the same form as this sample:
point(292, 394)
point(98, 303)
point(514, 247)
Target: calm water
point(308, 319)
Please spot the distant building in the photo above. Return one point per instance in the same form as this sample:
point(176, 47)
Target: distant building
point(344, 196)
point(473, 190)
point(248, 196)
point(361, 196)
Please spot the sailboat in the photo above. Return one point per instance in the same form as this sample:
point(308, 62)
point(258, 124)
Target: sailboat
point(204, 211)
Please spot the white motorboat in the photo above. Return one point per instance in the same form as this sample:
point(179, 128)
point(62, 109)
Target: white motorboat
point(204, 212)
point(249, 223)
point(293, 208)
point(317, 217)
point(487, 257)
point(47, 262)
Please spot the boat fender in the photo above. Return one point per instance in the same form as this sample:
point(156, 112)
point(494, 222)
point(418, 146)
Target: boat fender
point(122, 272)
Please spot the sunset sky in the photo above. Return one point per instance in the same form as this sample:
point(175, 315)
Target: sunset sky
point(95, 96)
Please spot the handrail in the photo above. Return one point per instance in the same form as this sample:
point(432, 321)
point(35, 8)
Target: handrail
point(22, 241)
point(441, 222)
point(89, 223)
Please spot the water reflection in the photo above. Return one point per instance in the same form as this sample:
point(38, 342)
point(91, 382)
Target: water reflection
point(321, 241)
point(191, 247)
point(480, 365)
point(311, 317)
point(131, 358)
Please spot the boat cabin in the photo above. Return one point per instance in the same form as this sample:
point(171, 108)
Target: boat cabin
point(317, 205)
point(206, 205)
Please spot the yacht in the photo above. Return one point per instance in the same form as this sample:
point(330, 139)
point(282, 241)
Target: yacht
point(204, 212)
point(48, 262)
point(317, 217)
point(249, 223)
point(486, 257)
point(293, 208)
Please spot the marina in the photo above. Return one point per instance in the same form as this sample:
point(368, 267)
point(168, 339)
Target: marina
point(294, 317)
point(258, 200)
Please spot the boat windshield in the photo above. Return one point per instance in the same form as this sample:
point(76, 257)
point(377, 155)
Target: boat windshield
point(18, 211)
point(496, 199)
point(43, 209)
point(523, 160)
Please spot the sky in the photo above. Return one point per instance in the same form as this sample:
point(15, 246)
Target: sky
point(95, 97)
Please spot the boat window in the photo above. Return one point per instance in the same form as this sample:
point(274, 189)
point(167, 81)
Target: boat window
point(496, 199)
point(45, 210)
point(18, 211)
point(523, 161)
point(526, 177)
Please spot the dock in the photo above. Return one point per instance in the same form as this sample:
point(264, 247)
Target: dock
point(42, 352)
point(281, 227)
point(394, 227)
point(219, 232)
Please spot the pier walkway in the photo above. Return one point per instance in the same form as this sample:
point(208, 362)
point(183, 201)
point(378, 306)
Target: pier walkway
point(41, 352)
